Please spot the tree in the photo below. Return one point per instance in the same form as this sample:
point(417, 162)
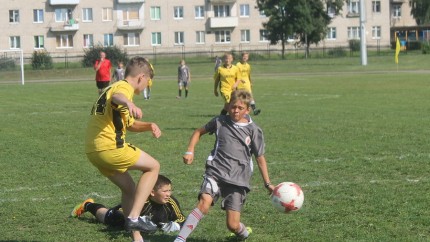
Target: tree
point(306, 19)
point(421, 11)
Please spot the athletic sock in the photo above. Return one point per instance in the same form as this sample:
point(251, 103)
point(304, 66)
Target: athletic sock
point(93, 207)
point(186, 93)
point(180, 93)
point(190, 224)
point(243, 232)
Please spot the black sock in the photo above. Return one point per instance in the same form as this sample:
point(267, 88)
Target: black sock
point(93, 207)
point(180, 92)
point(253, 106)
point(186, 93)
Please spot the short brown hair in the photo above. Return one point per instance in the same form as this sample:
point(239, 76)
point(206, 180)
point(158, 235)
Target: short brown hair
point(138, 65)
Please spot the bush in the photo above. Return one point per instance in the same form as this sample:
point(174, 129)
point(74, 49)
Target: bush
point(425, 48)
point(337, 52)
point(113, 53)
point(41, 60)
point(354, 45)
point(7, 63)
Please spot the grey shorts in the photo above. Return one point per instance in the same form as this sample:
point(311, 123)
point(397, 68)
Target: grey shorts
point(233, 196)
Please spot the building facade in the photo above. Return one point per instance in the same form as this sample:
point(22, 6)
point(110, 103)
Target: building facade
point(142, 26)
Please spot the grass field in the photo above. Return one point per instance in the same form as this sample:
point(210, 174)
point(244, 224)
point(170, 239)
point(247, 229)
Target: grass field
point(355, 138)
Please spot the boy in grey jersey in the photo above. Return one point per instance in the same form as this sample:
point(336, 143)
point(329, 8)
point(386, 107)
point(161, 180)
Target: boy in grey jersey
point(184, 78)
point(229, 166)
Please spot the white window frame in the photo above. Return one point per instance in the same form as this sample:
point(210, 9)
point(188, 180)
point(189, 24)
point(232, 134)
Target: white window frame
point(64, 41)
point(87, 15)
point(88, 40)
point(156, 38)
point(39, 42)
point(222, 11)
point(131, 39)
point(353, 7)
point(178, 12)
point(107, 14)
point(179, 38)
point(245, 35)
point(331, 33)
point(15, 42)
point(38, 16)
point(353, 32)
point(376, 32)
point(199, 12)
point(376, 6)
point(128, 16)
point(61, 15)
point(244, 10)
point(263, 35)
point(13, 16)
point(200, 37)
point(108, 40)
point(397, 11)
point(155, 12)
point(222, 36)
point(331, 11)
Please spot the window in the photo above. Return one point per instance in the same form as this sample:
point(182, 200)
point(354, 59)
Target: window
point(376, 32)
point(131, 14)
point(263, 35)
point(64, 41)
point(13, 16)
point(199, 11)
point(244, 10)
point(222, 36)
point(331, 11)
point(353, 7)
point(179, 38)
point(62, 14)
point(178, 12)
point(37, 15)
point(200, 37)
point(156, 38)
point(222, 11)
point(376, 6)
point(15, 42)
point(108, 40)
point(397, 11)
point(131, 39)
point(155, 13)
point(88, 40)
point(39, 42)
point(353, 32)
point(262, 14)
point(87, 15)
point(107, 14)
point(245, 35)
point(331, 33)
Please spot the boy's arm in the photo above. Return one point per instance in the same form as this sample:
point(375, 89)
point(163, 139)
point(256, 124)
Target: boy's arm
point(188, 157)
point(139, 126)
point(216, 83)
point(121, 99)
point(262, 166)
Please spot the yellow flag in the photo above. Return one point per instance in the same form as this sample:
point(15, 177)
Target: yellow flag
point(396, 57)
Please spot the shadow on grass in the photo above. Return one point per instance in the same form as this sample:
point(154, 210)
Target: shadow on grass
point(115, 233)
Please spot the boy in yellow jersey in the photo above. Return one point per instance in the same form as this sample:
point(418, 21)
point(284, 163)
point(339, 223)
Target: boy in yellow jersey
point(112, 115)
point(227, 78)
point(246, 82)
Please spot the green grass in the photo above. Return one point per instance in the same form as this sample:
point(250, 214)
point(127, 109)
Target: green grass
point(354, 137)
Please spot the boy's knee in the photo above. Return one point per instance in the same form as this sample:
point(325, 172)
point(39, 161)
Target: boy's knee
point(233, 226)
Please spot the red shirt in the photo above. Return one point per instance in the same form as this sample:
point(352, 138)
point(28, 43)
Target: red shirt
point(103, 74)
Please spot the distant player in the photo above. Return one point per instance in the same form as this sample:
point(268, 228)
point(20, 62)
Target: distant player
point(184, 78)
point(227, 79)
point(118, 74)
point(246, 82)
point(103, 68)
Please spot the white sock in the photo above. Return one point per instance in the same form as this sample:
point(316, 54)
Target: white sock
point(190, 224)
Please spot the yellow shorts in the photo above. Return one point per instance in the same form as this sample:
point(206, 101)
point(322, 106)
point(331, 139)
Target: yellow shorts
point(245, 86)
point(118, 160)
point(226, 95)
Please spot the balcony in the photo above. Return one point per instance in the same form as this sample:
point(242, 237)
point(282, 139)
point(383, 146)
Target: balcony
point(397, 1)
point(131, 1)
point(222, 1)
point(224, 22)
point(63, 2)
point(64, 27)
point(130, 24)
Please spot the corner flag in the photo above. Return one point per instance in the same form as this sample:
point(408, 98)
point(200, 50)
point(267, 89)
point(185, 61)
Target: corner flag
point(396, 57)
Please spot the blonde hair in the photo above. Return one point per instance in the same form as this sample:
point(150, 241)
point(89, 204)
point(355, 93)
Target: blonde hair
point(241, 95)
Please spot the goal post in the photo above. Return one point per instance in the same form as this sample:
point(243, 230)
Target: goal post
point(12, 66)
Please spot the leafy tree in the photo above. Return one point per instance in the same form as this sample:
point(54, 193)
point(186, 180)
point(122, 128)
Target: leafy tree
point(306, 19)
point(421, 11)
point(113, 53)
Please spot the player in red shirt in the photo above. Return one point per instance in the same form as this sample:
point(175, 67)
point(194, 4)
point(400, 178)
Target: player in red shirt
point(103, 71)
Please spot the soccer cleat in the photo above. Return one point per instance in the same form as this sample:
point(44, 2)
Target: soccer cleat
point(257, 111)
point(240, 238)
point(79, 209)
point(145, 226)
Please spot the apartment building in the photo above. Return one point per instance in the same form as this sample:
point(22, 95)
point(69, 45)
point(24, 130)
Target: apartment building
point(142, 26)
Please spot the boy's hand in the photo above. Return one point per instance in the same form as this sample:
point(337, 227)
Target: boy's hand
point(170, 227)
point(156, 132)
point(188, 157)
point(134, 110)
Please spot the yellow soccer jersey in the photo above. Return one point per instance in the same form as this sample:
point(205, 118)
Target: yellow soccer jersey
point(108, 121)
point(245, 71)
point(228, 76)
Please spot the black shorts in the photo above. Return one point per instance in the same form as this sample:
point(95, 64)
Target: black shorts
point(102, 85)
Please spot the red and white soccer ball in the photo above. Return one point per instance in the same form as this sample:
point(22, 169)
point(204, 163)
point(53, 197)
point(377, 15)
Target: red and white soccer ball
point(287, 197)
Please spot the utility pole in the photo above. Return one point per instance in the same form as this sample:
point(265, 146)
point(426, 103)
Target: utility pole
point(363, 47)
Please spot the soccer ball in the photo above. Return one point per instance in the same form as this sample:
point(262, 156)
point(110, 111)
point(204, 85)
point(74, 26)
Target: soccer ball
point(287, 197)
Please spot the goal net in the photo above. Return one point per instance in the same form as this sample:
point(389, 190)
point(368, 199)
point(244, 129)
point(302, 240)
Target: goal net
point(11, 66)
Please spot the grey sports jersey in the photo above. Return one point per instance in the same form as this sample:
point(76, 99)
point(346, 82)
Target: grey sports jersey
point(183, 73)
point(231, 159)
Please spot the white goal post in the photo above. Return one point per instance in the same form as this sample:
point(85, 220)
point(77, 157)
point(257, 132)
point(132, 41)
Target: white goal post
point(12, 63)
